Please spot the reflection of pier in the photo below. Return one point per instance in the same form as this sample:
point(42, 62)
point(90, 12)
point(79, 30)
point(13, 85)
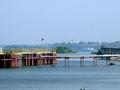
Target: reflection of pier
point(82, 59)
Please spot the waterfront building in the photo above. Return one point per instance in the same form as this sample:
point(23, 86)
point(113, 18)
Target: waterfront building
point(27, 58)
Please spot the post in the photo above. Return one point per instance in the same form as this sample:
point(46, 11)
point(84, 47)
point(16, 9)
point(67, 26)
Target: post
point(32, 60)
point(39, 60)
point(51, 61)
point(107, 61)
point(81, 61)
point(29, 59)
point(26, 59)
point(4, 62)
point(68, 61)
point(65, 62)
point(94, 61)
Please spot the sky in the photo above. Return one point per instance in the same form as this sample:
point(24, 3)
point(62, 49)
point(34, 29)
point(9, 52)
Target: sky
point(28, 21)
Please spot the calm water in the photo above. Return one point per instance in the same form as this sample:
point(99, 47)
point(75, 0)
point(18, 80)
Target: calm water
point(99, 77)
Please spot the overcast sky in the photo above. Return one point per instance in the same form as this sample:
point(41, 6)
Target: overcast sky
point(27, 21)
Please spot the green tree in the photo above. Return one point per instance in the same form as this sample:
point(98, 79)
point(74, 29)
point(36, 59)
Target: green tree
point(62, 49)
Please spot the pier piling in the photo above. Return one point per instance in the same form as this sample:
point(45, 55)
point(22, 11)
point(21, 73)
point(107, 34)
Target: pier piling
point(108, 61)
point(66, 61)
point(81, 61)
point(94, 61)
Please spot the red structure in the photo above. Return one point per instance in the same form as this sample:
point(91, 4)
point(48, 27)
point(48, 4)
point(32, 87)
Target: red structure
point(8, 61)
point(12, 60)
point(32, 59)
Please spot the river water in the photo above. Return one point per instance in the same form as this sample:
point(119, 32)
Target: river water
point(90, 77)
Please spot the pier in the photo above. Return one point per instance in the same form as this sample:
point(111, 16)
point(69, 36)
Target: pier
point(15, 60)
point(83, 58)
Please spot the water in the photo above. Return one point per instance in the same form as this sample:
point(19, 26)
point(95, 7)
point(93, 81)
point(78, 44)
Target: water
point(99, 77)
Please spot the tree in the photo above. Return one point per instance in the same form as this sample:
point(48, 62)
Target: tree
point(62, 49)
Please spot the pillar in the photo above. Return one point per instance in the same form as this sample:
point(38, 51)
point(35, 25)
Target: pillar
point(81, 61)
point(107, 61)
point(66, 61)
point(26, 60)
point(94, 61)
point(32, 60)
